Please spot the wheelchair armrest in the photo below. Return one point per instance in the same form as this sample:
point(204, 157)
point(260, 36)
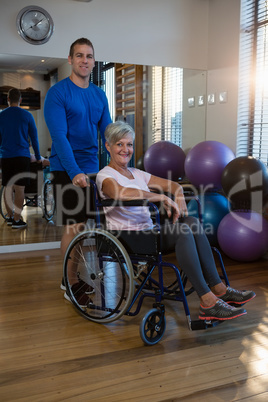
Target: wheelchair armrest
point(120, 203)
point(132, 203)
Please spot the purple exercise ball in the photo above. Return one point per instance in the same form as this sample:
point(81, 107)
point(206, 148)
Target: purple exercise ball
point(205, 162)
point(243, 236)
point(165, 159)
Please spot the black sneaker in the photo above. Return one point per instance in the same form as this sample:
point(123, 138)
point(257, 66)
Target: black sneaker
point(237, 297)
point(9, 221)
point(220, 311)
point(19, 224)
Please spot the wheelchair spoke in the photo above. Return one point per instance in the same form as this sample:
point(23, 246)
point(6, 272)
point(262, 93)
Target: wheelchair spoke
point(99, 260)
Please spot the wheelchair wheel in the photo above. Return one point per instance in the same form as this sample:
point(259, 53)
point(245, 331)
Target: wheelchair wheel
point(48, 201)
point(98, 260)
point(3, 209)
point(152, 327)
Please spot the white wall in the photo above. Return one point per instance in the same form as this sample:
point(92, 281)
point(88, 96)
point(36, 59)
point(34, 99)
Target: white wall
point(194, 118)
point(150, 32)
point(223, 61)
point(195, 34)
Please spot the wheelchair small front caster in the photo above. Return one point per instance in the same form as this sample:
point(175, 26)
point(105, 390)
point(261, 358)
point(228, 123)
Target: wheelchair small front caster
point(153, 326)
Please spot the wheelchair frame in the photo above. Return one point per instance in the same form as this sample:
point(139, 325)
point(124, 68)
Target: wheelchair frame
point(122, 281)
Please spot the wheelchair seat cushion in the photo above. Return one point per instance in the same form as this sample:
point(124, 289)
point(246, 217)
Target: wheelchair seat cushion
point(139, 242)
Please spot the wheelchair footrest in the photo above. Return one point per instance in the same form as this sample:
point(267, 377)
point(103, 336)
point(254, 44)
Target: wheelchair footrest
point(202, 324)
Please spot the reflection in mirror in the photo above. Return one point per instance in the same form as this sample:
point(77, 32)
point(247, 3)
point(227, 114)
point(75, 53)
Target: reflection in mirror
point(138, 107)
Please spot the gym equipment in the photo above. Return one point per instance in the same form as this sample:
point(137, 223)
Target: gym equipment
point(140, 164)
point(245, 183)
point(165, 159)
point(205, 162)
point(214, 207)
point(243, 235)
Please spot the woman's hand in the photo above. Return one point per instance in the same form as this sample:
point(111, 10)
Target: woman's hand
point(177, 207)
point(180, 201)
point(171, 207)
point(80, 180)
point(171, 187)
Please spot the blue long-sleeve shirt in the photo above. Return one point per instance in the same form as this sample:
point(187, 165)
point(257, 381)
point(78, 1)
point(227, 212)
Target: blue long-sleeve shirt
point(16, 127)
point(73, 116)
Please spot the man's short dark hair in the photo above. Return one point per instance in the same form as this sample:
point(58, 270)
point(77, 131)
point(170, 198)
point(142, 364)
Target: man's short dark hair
point(80, 41)
point(14, 95)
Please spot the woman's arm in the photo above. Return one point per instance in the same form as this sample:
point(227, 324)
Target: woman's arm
point(112, 189)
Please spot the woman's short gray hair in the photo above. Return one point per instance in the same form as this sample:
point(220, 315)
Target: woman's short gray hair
point(116, 131)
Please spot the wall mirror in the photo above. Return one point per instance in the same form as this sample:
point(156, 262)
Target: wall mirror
point(34, 72)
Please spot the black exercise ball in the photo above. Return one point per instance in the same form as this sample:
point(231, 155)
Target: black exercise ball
point(139, 164)
point(245, 183)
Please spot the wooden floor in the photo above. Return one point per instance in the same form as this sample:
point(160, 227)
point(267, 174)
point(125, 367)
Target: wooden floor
point(37, 231)
point(50, 353)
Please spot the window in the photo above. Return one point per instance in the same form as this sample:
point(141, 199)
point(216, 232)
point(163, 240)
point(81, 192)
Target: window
point(167, 104)
point(253, 81)
point(103, 77)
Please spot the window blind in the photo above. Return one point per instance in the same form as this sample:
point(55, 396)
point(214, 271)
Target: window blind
point(103, 76)
point(167, 104)
point(252, 138)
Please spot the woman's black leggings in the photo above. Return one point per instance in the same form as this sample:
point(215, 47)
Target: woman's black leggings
point(193, 251)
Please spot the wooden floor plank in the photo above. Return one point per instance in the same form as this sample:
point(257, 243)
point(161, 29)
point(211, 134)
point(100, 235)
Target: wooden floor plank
point(50, 353)
point(38, 230)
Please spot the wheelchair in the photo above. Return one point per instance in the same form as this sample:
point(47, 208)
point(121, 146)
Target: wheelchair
point(38, 192)
point(122, 278)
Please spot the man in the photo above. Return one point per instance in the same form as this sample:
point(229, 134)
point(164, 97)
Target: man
point(75, 109)
point(17, 126)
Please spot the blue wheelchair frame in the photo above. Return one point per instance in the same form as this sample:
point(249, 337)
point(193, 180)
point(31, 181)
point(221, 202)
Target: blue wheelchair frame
point(153, 324)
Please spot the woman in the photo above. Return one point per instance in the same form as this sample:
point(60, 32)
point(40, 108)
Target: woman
point(184, 234)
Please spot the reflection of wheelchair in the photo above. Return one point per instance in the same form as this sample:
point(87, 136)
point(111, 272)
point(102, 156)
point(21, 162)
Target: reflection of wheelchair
point(38, 193)
point(123, 278)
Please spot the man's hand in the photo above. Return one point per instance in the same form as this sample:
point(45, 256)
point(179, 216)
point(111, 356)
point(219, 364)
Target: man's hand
point(80, 180)
point(45, 162)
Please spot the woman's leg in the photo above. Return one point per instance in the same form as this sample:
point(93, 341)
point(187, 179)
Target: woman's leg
point(205, 254)
point(180, 237)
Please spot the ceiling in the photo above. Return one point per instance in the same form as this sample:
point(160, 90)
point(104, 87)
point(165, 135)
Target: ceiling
point(28, 64)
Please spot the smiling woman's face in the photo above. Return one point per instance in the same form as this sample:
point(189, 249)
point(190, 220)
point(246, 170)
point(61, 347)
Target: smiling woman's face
point(121, 152)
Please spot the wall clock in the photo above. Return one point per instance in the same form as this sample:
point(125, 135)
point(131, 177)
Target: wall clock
point(35, 25)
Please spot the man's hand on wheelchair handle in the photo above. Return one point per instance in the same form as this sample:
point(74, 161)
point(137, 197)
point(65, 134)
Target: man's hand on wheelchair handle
point(80, 180)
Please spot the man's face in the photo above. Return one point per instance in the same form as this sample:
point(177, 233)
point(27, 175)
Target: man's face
point(82, 61)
